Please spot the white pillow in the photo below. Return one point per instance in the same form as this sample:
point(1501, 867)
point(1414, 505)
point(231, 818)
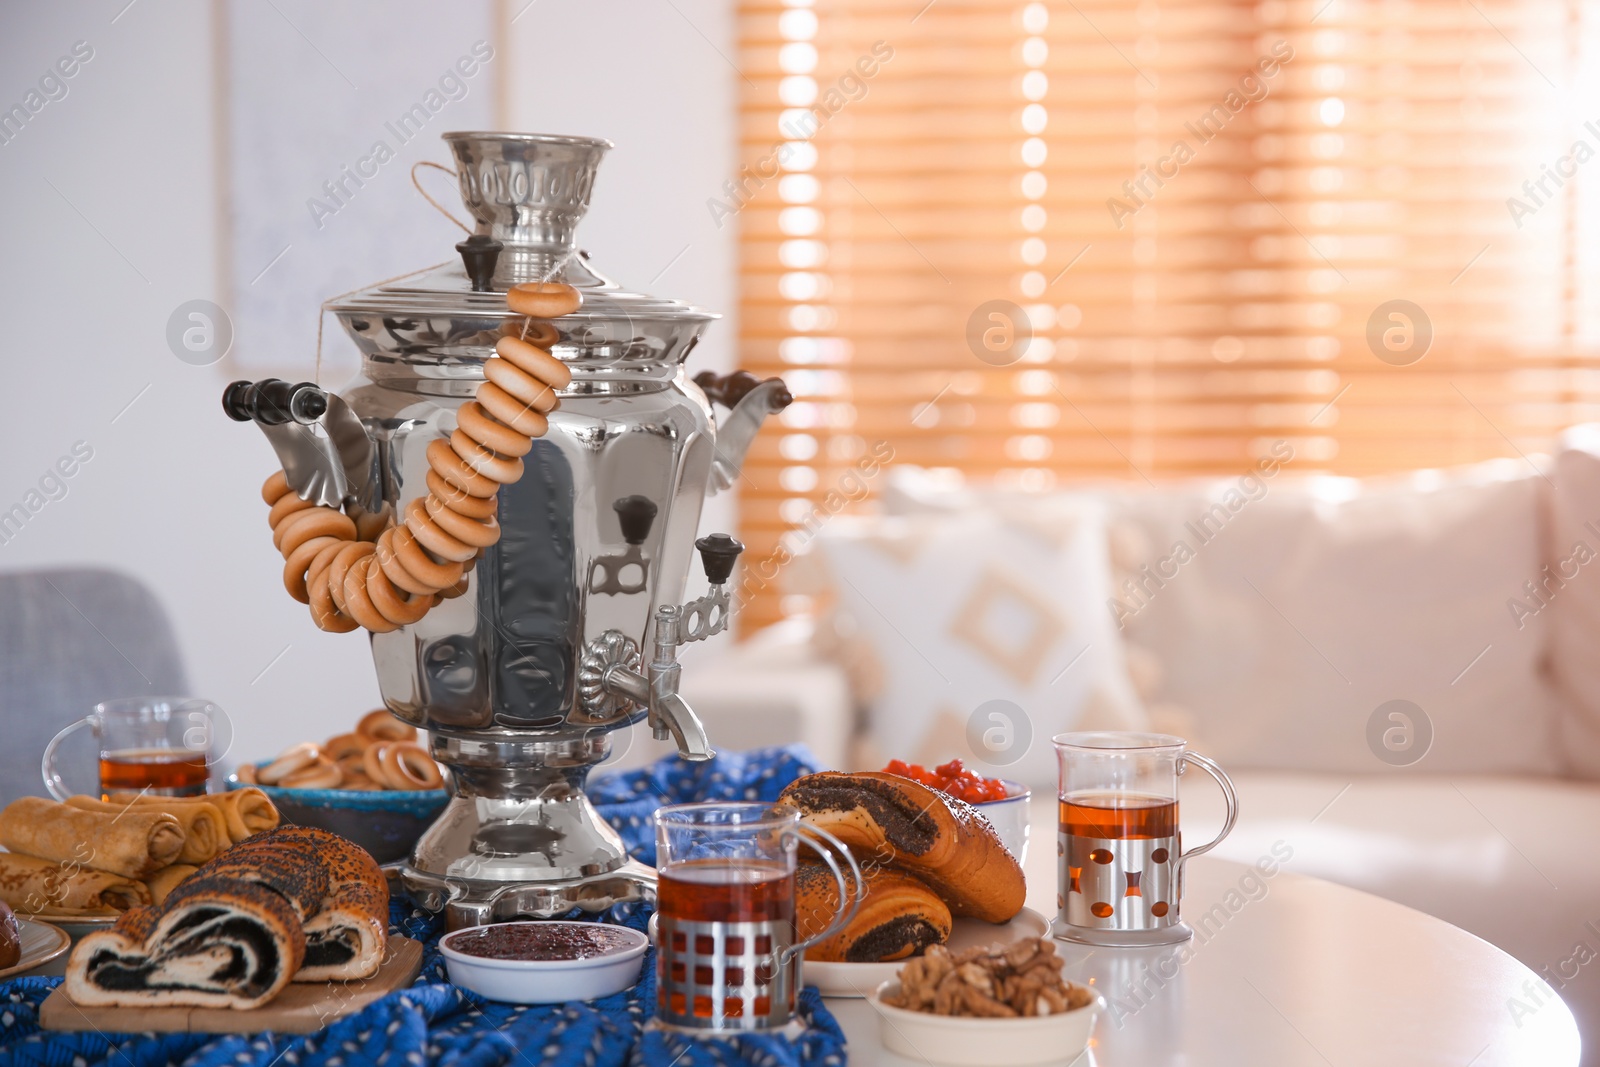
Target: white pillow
point(1571, 594)
point(1319, 599)
point(990, 630)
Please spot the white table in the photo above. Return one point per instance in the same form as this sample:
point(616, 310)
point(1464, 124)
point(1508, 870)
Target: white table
point(1297, 971)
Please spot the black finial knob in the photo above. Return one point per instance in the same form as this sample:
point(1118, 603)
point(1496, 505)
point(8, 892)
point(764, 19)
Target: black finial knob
point(269, 402)
point(479, 254)
point(273, 402)
point(236, 401)
point(636, 514)
point(308, 403)
point(718, 553)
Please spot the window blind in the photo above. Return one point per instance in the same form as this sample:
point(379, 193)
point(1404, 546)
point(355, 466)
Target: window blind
point(1042, 242)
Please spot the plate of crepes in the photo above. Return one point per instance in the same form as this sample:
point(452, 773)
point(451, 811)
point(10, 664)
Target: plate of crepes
point(273, 933)
point(375, 785)
point(936, 873)
point(84, 863)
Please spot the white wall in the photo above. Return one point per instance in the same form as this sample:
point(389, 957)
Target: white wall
point(652, 78)
point(649, 76)
point(86, 289)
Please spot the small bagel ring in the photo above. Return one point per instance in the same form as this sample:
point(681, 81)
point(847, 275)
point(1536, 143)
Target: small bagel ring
point(536, 332)
point(274, 487)
point(473, 507)
point(537, 394)
point(423, 567)
point(389, 560)
point(523, 418)
point(302, 526)
point(294, 568)
point(296, 758)
point(454, 470)
point(474, 532)
point(435, 540)
point(407, 766)
point(284, 506)
point(341, 746)
point(372, 760)
point(325, 613)
point(358, 604)
point(312, 522)
point(544, 300)
point(400, 610)
point(487, 462)
point(320, 561)
point(490, 433)
point(380, 725)
point(320, 773)
point(535, 362)
point(339, 568)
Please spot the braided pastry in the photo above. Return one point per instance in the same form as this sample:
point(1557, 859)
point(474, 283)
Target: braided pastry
point(366, 571)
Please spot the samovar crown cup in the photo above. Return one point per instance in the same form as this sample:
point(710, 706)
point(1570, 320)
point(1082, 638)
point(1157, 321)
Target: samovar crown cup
point(528, 190)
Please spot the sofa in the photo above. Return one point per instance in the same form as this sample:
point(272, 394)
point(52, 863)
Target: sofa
point(1398, 672)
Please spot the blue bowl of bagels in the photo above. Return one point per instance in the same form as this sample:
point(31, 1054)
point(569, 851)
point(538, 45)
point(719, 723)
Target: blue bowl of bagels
point(375, 786)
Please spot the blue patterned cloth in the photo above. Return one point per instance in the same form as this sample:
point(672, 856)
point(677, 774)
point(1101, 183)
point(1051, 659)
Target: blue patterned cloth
point(434, 1022)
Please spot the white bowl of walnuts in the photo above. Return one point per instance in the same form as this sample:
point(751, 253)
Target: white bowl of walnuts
point(985, 1006)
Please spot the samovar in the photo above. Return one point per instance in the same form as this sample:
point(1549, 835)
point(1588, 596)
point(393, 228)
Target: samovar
point(570, 626)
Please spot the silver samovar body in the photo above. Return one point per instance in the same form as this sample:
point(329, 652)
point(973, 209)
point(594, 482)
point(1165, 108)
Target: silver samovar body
point(570, 625)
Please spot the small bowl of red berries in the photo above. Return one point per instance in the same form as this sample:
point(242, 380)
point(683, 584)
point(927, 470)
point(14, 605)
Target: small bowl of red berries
point(1004, 803)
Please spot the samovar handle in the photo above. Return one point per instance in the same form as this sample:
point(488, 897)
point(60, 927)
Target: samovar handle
point(324, 449)
point(749, 401)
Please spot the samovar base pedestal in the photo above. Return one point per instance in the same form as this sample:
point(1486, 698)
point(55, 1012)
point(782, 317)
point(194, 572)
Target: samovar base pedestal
point(520, 838)
point(467, 902)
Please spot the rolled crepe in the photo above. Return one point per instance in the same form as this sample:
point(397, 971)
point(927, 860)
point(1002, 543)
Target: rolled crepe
point(166, 880)
point(29, 885)
point(247, 812)
point(134, 843)
point(205, 831)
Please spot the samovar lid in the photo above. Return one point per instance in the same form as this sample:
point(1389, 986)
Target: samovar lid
point(527, 191)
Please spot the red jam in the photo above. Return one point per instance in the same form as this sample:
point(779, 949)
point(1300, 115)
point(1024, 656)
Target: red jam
point(953, 778)
point(540, 941)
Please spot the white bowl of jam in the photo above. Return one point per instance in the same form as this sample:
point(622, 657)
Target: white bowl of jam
point(544, 962)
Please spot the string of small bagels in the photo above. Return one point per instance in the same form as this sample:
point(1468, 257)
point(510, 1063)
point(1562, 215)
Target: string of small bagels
point(382, 575)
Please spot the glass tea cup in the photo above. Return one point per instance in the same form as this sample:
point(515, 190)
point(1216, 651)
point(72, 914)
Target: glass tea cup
point(1120, 849)
point(726, 951)
point(160, 746)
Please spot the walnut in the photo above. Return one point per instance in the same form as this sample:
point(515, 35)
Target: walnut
point(1023, 952)
point(948, 995)
point(994, 982)
point(1049, 1002)
point(971, 1001)
point(978, 978)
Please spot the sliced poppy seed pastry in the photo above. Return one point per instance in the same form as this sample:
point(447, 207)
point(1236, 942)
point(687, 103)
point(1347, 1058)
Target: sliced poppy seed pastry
point(288, 866)
point(291, 903)
point(215, 943)
point(899, 918)
point(887, 819)
point(349, 934)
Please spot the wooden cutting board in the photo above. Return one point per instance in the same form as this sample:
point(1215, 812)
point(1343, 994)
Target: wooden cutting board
point(302, 1007)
